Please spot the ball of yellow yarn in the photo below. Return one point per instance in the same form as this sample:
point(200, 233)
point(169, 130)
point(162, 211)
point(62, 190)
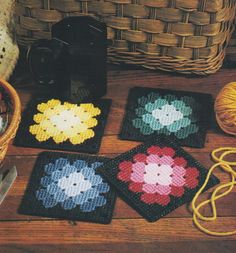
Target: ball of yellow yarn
point(225, 108)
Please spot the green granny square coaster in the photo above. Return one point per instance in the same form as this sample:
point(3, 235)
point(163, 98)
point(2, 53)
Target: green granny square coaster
point(183, 116)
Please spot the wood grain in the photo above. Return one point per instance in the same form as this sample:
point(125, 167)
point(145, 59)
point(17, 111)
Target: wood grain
point(128, 232)
point(119, 231)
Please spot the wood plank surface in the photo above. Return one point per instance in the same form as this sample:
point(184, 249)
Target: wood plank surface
point(128, 232)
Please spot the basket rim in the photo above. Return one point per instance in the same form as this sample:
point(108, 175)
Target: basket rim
point(11, 130)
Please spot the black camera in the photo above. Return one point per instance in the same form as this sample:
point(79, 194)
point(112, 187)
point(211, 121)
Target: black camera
point(72, 65)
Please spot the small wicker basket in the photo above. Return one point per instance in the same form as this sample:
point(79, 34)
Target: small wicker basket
point(231, 50)
point(188, 36)
point(12, 108)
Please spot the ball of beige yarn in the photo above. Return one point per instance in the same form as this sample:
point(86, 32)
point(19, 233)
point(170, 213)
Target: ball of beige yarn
point(225, 108)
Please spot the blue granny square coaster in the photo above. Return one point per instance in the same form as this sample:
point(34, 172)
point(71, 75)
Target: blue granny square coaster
point(184, 116)
point(61, 125)
point(68, 186)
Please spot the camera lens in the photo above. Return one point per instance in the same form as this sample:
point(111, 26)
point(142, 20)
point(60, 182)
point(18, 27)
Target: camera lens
point(42, 62)
point(42, 59)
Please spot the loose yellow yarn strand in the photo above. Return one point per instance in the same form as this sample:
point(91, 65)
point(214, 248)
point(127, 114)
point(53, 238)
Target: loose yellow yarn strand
point(226, 166)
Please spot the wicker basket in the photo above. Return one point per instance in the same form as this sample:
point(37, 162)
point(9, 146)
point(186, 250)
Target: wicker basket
point(231, 50)
point(11, 106)
point(188, 36)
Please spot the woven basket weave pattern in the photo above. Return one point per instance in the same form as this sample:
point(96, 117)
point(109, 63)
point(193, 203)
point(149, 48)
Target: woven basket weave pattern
point(231, 50)
point(187, 36)
point(9, 134)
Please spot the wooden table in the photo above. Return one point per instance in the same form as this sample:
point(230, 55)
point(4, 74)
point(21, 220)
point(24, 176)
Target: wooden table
point(128, 232)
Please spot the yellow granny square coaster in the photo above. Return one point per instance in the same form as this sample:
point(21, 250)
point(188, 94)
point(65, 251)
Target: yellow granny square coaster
point(55, 124)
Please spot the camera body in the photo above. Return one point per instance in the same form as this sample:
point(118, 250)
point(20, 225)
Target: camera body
point(72, 65)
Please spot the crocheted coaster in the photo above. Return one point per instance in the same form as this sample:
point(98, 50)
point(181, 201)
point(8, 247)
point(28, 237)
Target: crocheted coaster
point(53, 124)
point(68, 186)
point(157, 177)
point(182, 115)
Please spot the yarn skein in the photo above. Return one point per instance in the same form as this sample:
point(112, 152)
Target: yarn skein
point(220, 158)
point(225, 108)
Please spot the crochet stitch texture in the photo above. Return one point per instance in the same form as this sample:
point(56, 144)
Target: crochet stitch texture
point(71, 185)
point(166, 114)
point(63, 122)
point(158, 175)
point(181, 115)
point(58, 125)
